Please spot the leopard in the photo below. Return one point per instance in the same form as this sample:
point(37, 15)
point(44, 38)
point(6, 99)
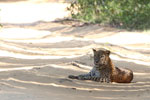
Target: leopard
point(104, 70)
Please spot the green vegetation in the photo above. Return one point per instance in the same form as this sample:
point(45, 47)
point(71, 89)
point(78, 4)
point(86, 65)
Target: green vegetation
point(1, 25)
point(129, 14)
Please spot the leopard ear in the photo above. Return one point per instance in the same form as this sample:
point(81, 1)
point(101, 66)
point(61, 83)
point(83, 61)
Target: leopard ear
point(94, 50)
point(108, 52)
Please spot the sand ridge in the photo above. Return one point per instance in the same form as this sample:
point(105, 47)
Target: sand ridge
point(36, 57)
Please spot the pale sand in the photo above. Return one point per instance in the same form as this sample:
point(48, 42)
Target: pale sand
point(36, 59)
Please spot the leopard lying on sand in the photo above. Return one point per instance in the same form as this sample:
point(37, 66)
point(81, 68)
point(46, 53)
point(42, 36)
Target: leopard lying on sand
point(104, 70)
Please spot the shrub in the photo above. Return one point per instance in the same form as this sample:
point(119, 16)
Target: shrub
point(130, 14)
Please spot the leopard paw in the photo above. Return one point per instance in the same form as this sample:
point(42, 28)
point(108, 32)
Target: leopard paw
point(73, 77)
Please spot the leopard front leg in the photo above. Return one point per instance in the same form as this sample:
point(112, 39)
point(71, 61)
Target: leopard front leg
point(105, 77)
point(81, 77)
point(85, 77)
point(73, 77)
point(102, 77)
point(108, 79)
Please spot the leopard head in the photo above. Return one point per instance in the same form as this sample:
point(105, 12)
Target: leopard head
point(101, 56)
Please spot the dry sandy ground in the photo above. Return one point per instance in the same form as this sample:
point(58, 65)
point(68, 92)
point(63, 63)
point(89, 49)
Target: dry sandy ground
point(36, 56)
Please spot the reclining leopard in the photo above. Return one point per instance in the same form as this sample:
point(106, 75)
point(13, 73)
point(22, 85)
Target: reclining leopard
point(104, 70)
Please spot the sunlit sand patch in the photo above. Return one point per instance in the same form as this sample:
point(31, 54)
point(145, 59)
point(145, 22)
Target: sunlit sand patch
point(142, 47)
point(22, 33)
point(30, 36)
point(14, 69)
point(125, 38)
point(132, 55)
point(143, 83)
point(15, 49)
point(12, 48)
point(12, 86)
point(24, 12)
point(20, 68)
point(21, 56)
point(114, 57)
point(47, 40)
point(65, 66)
point(104, 98)
point(68, 67)
point(4, 65)
point(141, 74)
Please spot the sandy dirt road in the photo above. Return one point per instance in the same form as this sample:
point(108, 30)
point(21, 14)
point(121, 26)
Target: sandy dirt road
point(36, 55)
